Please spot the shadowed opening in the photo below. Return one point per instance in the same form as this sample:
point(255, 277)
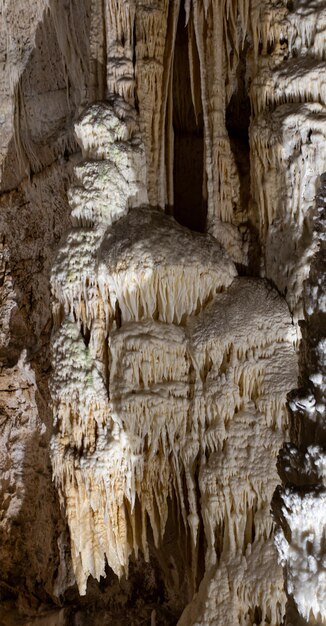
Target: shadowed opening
point(190, 208)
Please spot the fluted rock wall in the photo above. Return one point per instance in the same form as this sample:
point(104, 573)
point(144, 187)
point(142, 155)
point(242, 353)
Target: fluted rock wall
point(300, 503)
point(172, 353)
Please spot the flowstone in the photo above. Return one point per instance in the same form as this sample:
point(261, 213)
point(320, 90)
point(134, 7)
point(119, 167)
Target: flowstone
point(169, 384)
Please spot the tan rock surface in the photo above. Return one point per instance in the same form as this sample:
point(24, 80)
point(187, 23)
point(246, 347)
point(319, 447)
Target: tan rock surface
point(168, 373)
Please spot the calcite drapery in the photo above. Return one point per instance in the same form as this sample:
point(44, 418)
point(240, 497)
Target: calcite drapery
point(165, 364)
point(300, 502)
point(261, 60)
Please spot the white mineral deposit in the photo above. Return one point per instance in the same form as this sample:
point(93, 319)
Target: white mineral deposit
point(162, 313)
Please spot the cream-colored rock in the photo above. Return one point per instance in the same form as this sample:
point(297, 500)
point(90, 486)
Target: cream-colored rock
point(154, 268)
point(169, 373)
point(179, 393)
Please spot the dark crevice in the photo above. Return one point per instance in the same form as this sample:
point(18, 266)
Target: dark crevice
point(237, 119)
point(134, 59)
point(190, 207)
point(86, 335)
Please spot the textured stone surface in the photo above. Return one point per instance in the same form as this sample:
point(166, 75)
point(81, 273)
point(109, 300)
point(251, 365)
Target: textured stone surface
point(231, 142)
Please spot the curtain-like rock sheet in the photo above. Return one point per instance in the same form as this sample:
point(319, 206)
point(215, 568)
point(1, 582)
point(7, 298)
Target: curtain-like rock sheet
point(178, 393)
point(300, 503)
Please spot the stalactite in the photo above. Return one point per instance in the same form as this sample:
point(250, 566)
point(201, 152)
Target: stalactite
point(287, 139)
point(222, 180)
point(119, 28)
point(97, 46)
point(183, 363)
point(300, 503)
point(155, 38)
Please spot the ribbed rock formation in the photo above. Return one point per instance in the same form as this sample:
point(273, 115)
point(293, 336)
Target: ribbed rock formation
point(300, 504)
point(178, 394)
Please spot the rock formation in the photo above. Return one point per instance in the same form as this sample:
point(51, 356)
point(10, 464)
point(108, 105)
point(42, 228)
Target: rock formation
point(162, 243)
point(300, 504)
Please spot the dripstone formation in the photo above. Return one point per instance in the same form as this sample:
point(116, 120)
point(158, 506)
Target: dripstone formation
point(162, 305)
